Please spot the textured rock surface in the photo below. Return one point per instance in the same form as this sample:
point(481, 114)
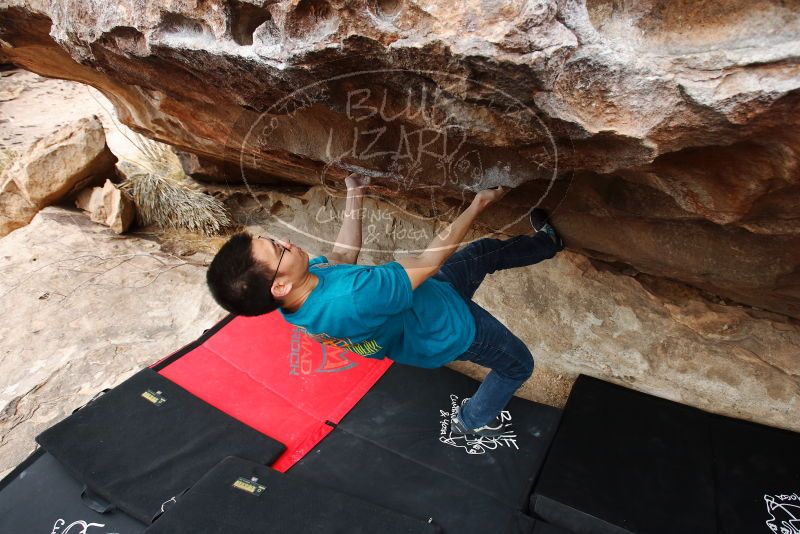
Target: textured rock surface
point(672, 126)
point(41, 105)
point(724, 359)
point(108, 205)
point(90, 309)
point(664, 133)
point(53, 167)
point(577, 315)
point(91, 201)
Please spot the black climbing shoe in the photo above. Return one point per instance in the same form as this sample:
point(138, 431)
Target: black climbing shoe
point(540, 222)
point(458, 427)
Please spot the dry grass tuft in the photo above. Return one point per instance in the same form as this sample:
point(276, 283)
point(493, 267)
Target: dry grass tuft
point(164, 199)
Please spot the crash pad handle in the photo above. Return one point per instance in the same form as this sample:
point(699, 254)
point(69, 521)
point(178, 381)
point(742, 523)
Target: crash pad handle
point(95, 502)
point(167, 504)
point(96, 396)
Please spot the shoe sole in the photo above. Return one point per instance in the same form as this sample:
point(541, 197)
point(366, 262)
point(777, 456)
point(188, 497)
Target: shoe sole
point(530, 219)
point(459, 433)
point(456, 432)
point(560, 244)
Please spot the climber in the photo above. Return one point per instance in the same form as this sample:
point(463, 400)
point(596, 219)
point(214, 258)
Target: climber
point(417, 310)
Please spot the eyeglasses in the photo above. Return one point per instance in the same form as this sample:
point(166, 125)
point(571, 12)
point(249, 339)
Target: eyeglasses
point(283, 249)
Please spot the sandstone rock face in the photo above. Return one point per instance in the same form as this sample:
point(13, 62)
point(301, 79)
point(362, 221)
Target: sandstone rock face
point(91, 201)
point(663, 133)
point(577, 315)
point(208, 170)
point(90, 309)
point(579, 319)
point(108, 205)
point(52, 168)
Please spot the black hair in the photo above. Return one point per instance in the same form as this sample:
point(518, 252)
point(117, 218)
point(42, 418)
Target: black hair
point(237, 281)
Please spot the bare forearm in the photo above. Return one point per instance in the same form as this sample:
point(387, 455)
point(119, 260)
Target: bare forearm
point(451, 237)
point(348, 242)
point(420, 268)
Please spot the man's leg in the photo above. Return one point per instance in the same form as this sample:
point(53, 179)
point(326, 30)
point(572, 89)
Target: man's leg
point(510, 361)
point(495, 347)
point(467, 268)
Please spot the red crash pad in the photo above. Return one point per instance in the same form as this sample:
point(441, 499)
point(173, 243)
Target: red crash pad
point(267, 374)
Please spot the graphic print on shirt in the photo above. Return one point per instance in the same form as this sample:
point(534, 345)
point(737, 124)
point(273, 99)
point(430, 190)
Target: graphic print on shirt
point(363, 348)
point(302, 355)
point(477, 444)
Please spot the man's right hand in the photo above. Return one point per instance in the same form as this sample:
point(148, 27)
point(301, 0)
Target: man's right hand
point(422, 267)
point(490, 196)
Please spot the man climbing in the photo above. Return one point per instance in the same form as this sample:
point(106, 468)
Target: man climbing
point(417, 310)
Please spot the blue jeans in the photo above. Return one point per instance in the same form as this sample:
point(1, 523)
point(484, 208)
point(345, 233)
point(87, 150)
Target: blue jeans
point(495, 347)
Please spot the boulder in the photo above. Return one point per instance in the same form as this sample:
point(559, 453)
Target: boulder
point(108, 205)
point(664, 134)
point(90, 309)
point(92, 201)
point(580, 315)
point(52, 168)
point(15, 209)
point(209, 170)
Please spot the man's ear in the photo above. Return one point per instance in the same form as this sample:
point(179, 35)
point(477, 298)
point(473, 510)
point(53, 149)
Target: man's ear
point(281, 289)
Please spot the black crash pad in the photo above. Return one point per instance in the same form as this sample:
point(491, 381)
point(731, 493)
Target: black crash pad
point(757, 477)
point(40, 496)
point(626, 462)
point(623, 461)
point(246, 498)
point(544, 528)
point(369, 471)
point(148, 440)
point(408, 410)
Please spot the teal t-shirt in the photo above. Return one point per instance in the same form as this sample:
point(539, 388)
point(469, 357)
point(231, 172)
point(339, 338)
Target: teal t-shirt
point(372, 311)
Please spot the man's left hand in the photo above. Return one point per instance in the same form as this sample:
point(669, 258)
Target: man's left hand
point(356, 181)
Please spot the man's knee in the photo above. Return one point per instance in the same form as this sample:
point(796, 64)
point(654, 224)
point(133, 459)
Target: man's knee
point(523, 362)
point(528, 365)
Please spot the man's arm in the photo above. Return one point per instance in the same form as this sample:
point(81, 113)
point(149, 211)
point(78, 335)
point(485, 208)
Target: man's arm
point(348, 242)
point(420, 268)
